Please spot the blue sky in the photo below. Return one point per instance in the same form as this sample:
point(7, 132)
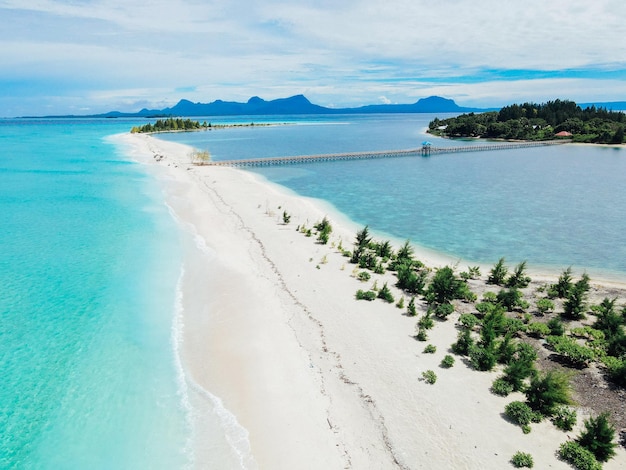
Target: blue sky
point(92, 56)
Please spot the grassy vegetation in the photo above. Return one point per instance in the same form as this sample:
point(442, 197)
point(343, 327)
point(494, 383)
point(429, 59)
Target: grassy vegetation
point(499, 332)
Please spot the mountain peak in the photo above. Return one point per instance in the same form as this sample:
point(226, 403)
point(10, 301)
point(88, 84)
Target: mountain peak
point(435, 99)
point(299, 99)
point(299, 104)
point(437, 104)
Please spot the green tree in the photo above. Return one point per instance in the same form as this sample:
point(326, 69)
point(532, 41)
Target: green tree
point(618, 137)
point(506, 349)
point(531, 121)
point(598, 437)
point(510, 298)
point(445, 287)
point(363, 239)
point(429, 376)
point(548, 390)
point(498, 273)
point(521, 367)
point(384, 249)
point(426, 322)
point(611, 324)
point(405, 256)
point(405, 253)
point(557, 328)
point(385, 294)
point(563, 286)
point(473, 272)
point(519, 279)
point(468, 320)
point(464, 342)
point(575, 305)
point(493, 326)
point(482, 358)
point(410, 309)
point(324, 229)
point(410, 279)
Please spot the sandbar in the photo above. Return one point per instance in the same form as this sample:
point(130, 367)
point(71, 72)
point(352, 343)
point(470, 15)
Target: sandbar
point(318, 379)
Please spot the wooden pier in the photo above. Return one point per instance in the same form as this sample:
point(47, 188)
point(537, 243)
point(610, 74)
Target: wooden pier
point(424, 150)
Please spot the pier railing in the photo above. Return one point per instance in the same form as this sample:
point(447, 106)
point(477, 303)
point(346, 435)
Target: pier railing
point(425, 150)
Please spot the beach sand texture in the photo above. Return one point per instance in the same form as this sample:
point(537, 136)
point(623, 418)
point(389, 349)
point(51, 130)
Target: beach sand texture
point(318, 379)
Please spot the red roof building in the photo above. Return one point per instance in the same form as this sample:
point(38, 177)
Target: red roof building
point(563, 134)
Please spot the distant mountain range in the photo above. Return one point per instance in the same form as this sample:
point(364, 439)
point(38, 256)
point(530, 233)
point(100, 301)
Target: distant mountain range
point(298, 104)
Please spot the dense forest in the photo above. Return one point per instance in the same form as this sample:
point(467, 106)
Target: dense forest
point(170, 124)
point(178, 124)
point(530, 121)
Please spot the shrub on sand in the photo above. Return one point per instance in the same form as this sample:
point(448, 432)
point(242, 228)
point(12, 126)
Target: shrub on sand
point(579, 457)
point(564, 418)
point(429, 376)
point(501, 387)
point(447, 361)
point(365, 295)
point(522, 459)
point(520, 413)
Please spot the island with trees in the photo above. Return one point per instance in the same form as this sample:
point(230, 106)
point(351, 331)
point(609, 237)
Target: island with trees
point(530, 121)
point(178, 124)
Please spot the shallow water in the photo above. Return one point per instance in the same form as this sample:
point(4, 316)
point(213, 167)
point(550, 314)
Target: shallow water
point(88, 268)
point(553, 206)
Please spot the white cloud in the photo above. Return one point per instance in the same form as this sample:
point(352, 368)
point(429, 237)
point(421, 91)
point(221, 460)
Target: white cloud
point(345, 53)
point(491, 94)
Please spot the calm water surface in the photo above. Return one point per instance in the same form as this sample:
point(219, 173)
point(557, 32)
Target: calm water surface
point(90, 258)
point(88, 271)
point(553, 206)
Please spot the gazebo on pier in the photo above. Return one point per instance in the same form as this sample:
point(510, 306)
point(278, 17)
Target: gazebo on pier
point(426, 147)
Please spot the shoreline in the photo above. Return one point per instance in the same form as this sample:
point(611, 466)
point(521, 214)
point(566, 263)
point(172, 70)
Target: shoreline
point(434, 258)
point(211, 127)
point(318, 379)
point(496, 139)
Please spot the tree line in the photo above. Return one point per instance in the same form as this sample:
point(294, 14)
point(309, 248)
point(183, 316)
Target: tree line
point(169, 124)
point(531, 121)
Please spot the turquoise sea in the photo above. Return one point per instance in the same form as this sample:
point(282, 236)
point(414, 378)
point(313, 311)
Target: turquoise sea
point(89, 265)
point(90, 258)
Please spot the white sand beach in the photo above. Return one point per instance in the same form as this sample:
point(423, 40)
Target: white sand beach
point(318, 379)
